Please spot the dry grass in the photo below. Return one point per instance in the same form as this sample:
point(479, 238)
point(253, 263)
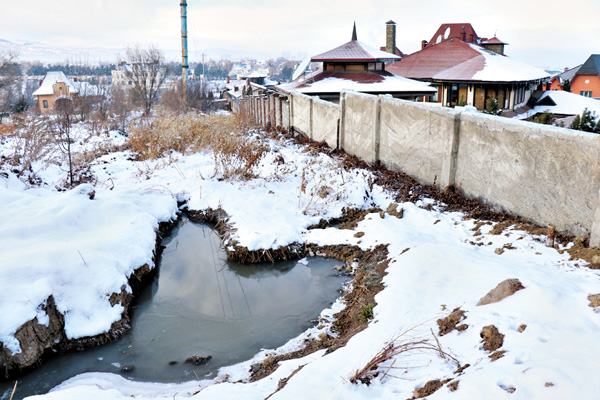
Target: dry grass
point(236, 155)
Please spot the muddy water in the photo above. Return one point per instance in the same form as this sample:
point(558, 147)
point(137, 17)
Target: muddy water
point(201, 305)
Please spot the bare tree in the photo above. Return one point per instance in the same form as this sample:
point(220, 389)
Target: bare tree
point(147, 71)
point(64, 110)
point(9, 77)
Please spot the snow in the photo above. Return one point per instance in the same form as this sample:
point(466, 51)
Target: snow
point(388, 84)
point(80, 249)
point(568, 103)
point(499, 68)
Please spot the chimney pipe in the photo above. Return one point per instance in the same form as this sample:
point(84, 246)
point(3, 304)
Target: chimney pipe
point(390, 37)
point(423, 44)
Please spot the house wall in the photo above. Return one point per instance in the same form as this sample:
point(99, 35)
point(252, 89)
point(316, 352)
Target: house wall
point(542, 173)
point(578, 84)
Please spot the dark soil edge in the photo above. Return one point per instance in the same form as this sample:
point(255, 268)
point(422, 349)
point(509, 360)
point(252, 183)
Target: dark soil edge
point(44, 342)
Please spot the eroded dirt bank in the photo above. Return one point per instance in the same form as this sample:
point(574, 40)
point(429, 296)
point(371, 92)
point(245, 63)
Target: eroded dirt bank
point(39, 341)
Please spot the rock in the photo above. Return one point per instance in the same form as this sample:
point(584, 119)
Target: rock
point(172, 362)
point(128, 368)
point(522, 328)
point(596, 260)
point(254, 368)
point(322, 336)
point(359, 234)
point(579, 241)
point(197, 360)
point(492, 338)
point(504, 289)
point(222, 378)
point(594, 300)
point(499, 250)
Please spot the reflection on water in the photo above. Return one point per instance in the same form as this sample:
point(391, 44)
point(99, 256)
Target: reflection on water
point(200, 304)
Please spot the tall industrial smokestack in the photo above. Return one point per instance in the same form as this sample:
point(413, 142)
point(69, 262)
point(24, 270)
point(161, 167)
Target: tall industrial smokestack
point(184, 49)
point(390, 37)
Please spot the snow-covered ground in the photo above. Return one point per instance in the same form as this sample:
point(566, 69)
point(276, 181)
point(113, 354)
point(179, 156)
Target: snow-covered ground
point(61, 243)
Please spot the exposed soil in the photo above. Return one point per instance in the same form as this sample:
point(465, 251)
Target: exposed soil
point(492, 338)
point(429, 388)
point(451, 322)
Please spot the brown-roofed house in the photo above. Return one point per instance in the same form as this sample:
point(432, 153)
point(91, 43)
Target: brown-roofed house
point(470, 70)
point(359, 67)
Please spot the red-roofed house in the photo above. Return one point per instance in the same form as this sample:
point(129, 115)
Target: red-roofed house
point(469, 70)
point(359, 67)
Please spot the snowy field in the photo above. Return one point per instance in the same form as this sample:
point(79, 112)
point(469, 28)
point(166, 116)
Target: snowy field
point(81, 247)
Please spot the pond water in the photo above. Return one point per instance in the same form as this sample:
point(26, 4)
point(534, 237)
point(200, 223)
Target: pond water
point(201, 305)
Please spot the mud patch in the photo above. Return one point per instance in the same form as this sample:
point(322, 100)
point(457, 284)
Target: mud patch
point(451, 322)
point(594, 300)
point(429, 388)
point(492, 338)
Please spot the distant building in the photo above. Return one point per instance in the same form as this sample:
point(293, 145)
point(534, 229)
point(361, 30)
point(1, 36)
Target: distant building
point(469, 70)
point(559, 81)
point(564, 106)
point(359, 67)
point(55, 85)
point(586, 81)
point(119, 75)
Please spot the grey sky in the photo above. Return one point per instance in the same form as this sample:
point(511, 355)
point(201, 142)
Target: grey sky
point(542, 33)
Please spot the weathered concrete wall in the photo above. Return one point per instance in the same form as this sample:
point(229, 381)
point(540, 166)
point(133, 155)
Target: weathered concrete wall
point(358, 133)
point(325, 122)
point(301, 113)
point(417, 138)
point(545, 174)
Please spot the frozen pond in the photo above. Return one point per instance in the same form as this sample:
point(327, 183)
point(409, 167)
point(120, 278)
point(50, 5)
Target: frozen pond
point(201, 305)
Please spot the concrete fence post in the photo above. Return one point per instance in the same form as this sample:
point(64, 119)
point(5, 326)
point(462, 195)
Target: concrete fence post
point(595, 232)
point(291, 122)
point(342, 130)
point(377, 128)
point(311, 122)
point(449, 164)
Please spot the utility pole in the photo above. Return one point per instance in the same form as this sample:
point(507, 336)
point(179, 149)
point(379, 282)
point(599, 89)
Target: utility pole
point(184, 49)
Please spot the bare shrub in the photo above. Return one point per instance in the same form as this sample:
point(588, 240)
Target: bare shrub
point(34, 140)
point(399, 346)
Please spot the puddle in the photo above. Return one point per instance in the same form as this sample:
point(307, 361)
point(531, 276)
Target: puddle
point(201, 305)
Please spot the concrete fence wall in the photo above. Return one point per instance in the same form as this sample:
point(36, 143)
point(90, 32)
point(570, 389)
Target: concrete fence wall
point(545, 174)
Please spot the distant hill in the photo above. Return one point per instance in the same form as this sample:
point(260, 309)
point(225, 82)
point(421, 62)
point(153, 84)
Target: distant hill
point(36, 51)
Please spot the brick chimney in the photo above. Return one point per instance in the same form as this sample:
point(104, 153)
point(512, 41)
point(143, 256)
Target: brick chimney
point(390, 37)
point(423, 44)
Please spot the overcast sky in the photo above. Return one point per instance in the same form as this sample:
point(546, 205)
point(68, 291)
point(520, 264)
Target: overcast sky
point(549, 34)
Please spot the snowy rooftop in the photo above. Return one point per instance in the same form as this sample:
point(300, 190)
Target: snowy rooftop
point(355, 50)
point(359, 81)
point(566, 103)
point(455, 60)
point(50, 80)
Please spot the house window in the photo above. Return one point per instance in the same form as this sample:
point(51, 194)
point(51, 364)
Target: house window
point(45, 103)
point(586, 93)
